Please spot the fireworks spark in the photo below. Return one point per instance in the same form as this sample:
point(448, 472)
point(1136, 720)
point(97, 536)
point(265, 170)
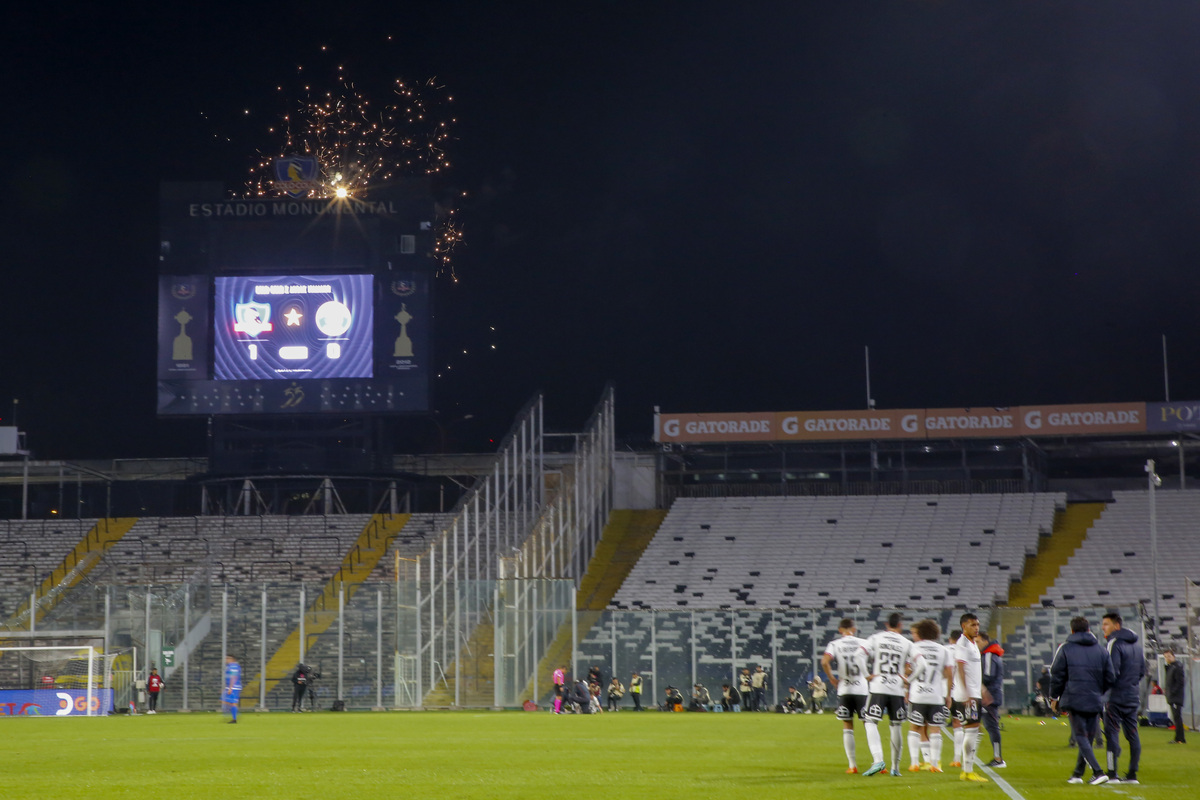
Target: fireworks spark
point(359, 143)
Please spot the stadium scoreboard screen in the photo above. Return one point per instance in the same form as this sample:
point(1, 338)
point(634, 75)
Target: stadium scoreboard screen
point(294, 306)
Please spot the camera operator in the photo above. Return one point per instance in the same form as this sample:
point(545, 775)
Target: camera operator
point(299, 687)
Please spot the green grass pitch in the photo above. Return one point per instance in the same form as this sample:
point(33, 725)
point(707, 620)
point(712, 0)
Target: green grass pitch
point(466, 754)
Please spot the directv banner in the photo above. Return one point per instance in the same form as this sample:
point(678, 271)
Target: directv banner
point(54, 702)
point(923, 423)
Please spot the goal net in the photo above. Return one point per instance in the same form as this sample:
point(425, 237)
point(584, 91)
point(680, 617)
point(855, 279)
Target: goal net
point(61, 681)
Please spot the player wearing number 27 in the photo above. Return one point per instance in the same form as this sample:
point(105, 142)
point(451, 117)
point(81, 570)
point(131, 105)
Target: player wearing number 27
point(889, 650)
point(848, 655)
point(928, 696)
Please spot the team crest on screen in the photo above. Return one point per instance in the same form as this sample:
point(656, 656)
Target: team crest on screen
point(297, 175)
point(252, 318)
point(403, 288)
point(183, 291)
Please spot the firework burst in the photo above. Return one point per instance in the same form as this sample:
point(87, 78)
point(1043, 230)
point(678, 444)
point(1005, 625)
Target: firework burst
point(360, 143)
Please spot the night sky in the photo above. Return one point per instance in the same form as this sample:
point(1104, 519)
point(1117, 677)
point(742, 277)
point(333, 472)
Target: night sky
point(714, 205)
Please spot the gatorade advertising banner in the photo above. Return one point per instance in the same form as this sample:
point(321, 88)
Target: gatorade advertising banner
point(925, 423)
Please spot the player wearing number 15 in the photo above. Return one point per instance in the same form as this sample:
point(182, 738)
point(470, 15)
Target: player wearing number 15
point(848, 655)
point(889, 650)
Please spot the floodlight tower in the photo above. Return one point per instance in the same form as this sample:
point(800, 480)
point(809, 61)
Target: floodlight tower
point(1153, 481)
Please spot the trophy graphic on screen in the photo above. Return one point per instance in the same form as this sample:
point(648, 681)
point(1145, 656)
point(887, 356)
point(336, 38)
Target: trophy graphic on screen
point(181, 349)
point(404, 347)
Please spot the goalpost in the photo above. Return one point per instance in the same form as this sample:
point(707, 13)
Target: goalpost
point(56, 681)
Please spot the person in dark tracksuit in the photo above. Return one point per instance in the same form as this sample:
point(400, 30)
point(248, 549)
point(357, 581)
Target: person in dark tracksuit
point(992, 669)
point(1121, 713)
point(1173, 686)
point(1079, 677)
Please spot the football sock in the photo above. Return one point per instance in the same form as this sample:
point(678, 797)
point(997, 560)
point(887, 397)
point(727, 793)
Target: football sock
point(914, 748)
point(970, 745)
point(996, 750)
point(557, 705)
point(958, 745)
point(233, 710)
point(927, 750)
point(848, 745)
point(874, 742)
point(896, 740)
point(935, 747)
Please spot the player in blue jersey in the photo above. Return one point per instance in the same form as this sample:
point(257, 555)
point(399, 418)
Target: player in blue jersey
point(233, 687)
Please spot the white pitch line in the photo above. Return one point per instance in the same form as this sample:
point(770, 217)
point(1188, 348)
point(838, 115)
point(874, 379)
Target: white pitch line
point(1004, 785)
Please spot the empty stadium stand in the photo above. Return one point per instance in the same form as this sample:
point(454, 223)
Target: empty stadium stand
point(825, 552)
point(1114, 567)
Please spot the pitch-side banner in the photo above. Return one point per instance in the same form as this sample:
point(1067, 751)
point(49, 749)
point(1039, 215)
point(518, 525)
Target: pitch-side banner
point(911, 423)
point(54, 702)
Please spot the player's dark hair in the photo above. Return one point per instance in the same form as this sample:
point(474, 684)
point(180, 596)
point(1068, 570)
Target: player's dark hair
point(967, 617)
point(845, 623)
point(983, 635)
point(955, 636)
point(1079, 625)
point(928, 630)
point(1114, 617)
point(894, 619)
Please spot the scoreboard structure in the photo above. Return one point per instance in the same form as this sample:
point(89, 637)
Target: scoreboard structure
point(295, 306)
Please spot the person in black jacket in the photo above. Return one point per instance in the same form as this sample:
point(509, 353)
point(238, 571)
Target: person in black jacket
point(1173, 685)
point(1120, 716)
point(581, 697)
point(1079, 677)
point(992, 670)
point(299, 687)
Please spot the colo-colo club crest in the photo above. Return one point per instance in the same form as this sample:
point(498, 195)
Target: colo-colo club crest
point(297, 175)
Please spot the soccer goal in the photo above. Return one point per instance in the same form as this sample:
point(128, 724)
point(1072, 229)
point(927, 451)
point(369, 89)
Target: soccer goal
point(57, 681)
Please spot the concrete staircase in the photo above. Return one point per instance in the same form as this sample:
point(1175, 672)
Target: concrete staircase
point(370, 546)
point(478, 673)
point(625, 538)
point(1041, 571)
point(77, 564)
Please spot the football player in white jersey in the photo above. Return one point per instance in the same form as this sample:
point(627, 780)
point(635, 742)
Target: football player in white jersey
point(889, 651)
point(956, 729)
point(967, 695)
point(928, 696)
point(848, 654)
